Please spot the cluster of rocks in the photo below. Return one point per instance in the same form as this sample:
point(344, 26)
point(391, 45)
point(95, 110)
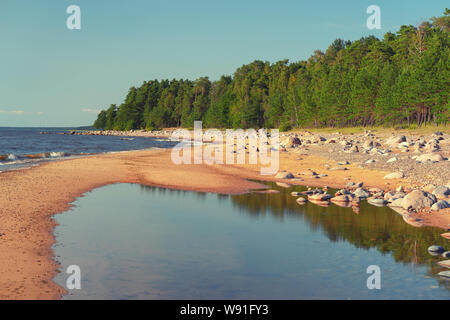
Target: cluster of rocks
point(130, 133)
point(436, 250)
point(434, 199)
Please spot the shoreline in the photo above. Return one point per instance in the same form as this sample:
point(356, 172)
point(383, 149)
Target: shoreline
point(31, 197)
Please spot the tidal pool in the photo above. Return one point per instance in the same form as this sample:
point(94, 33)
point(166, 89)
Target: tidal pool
point(137, 242)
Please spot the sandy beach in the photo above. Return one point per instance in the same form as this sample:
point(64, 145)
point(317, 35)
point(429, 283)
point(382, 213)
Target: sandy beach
point(30, 197)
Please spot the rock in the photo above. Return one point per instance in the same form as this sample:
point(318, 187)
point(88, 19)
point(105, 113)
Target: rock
point(342, 198)
point(397, 203)
point(446, 235)
point(394, 140)
point(308, 173)
point(417, 200)
point(283, 185)
point(429, 188)
point(354, 149)
point(360, 193)
point(445, 274)
point(370, 161)
point(446, 254)
point(296, 193)
point(284, 175)
point(393, 159)
point(434, 157)
point(375, 190)
point(436, 249)
point(338, 169)
point(441, 192)
point(343, 163)
point(376, 201)
point(301, 200)
point(293, 142)
point(445, 263)
point(440, 205)
point(267, 191)
point(320, 197)
point(394, 175)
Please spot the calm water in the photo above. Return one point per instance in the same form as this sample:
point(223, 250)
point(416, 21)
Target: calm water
point(17, 143)
point(136, 242)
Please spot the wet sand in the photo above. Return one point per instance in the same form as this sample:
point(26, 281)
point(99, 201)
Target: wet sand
point(30, 197)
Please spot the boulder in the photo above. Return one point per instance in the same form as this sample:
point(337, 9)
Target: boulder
point(284, 175)
point(441, 192)
point(394, 175)
point(342, 198)
point(376, 201)
point(360, 193)
point(418, 200)
point(444, 274)
point(394, 140)
point(320, 197)
point(440, 205)
point(301, 200)
point(293, 142)
point(436, 249)
point(433, 157)
point(397, 203)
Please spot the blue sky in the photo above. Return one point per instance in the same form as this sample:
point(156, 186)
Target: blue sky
point(52, 76)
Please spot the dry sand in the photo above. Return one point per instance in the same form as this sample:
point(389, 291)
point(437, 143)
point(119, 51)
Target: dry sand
point(30, 197)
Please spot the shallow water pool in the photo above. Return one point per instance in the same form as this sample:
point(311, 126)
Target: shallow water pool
point(136, 242)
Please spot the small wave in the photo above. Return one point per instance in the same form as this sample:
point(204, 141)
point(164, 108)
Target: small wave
point(11, 156)
point(57, 154)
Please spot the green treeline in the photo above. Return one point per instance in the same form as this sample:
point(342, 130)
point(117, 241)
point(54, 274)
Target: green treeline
point(402, 79)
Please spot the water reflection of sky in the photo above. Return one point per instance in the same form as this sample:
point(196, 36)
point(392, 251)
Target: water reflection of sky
point(135, 242)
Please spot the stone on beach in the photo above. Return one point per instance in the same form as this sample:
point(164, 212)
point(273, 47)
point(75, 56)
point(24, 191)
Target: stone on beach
point(393, 159)
point(376, 201)
point(417, 200)
point(320, 197)
point(361, 193)
point(342, 198)
point(284, 175)
point(394, 175)
point(301, 200)
point(434, 157)
point(441, 192)
point(442, 204)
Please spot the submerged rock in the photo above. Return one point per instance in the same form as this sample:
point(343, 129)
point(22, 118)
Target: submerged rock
point(445, 274)
point(445, 263)
point(436, 249)
point(301, 200)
